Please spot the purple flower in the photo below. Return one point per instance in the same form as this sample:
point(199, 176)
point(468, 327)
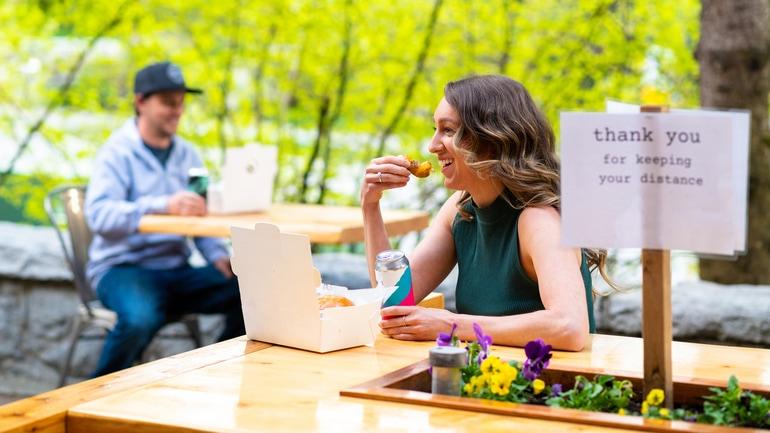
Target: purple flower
point(484, 341)
point(445, 339)
point(538, 357)
point(555, 389)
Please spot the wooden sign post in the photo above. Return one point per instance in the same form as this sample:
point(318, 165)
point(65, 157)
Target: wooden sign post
point(656, 313)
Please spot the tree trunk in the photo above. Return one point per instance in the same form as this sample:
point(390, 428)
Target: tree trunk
point(344, 73)
point(416, 73)
point(223, 115)
point(733, 58)
point(323, 115)
point(259, 74)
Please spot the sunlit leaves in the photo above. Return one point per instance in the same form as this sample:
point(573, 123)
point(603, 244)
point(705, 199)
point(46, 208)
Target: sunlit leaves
point(265, 66)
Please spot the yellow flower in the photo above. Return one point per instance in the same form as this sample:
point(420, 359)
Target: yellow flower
point(645, 408)
point(491, 365)
point(622, 411)
point(478, 382)
point(655, 397)
point(500, 384)
point(664, 412)
point(508, 372)
point(497, 388)
point(538, 386)
point(468, 388)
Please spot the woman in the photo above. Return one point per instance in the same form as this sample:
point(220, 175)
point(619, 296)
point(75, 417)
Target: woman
point(502, 226)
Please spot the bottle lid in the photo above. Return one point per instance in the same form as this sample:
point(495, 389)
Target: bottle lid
point(448, 356)
point(388, 256)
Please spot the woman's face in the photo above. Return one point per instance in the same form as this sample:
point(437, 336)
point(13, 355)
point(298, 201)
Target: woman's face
point(457, 175)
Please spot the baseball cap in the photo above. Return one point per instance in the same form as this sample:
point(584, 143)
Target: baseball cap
point(158, 77)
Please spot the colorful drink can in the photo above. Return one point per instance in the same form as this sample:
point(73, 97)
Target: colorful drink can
point(391, 268)
point(198, 181)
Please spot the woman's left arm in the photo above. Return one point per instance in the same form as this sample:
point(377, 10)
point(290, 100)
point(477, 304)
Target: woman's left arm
point(564, 321)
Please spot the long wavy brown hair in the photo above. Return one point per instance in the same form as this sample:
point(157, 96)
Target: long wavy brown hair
point(504, 135)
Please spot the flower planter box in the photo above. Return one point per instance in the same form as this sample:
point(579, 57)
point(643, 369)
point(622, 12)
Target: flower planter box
point(412, 383)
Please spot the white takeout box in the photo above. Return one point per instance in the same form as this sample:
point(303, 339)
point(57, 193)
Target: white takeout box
point(278, 281)
point(247, 180)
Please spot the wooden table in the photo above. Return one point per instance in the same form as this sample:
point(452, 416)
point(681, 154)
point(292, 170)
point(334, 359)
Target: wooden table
point(324, 224)
point(252, 387)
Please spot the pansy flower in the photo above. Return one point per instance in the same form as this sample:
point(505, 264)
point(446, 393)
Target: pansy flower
point(484, 341)
point(538, 386)
point(655, 397)
point(538, 357)
point(445, 339)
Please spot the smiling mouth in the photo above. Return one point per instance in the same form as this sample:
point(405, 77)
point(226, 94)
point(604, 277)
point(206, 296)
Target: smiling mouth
point(446, 162)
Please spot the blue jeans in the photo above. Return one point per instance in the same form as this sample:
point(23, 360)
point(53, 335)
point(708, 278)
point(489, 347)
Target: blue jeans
point(145, 299)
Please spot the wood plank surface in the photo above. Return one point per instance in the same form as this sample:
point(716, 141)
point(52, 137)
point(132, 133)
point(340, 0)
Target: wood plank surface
point(656, 321)
point(323, 224)
point(286, 390)
point(47, 412)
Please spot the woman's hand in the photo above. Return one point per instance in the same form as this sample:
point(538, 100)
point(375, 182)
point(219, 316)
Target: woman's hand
point(383, 173)
point(415, 323)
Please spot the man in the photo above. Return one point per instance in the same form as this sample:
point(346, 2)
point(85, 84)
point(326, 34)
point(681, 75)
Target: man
point(146, 278)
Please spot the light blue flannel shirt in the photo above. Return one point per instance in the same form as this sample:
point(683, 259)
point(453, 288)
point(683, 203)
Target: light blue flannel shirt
point(127, 182)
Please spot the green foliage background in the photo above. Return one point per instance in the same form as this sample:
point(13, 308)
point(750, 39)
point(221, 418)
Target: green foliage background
point(268, 68)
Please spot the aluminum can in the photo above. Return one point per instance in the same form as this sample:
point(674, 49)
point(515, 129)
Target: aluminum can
point(391, 269)
point(198, 181)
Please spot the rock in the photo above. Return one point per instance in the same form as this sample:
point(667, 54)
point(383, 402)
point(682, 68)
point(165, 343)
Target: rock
point(31, 252)
point(701, 310)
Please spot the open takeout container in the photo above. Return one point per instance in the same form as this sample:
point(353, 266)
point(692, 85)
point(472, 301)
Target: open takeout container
point(278, 284)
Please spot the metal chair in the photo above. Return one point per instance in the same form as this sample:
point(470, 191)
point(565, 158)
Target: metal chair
point(64, 206)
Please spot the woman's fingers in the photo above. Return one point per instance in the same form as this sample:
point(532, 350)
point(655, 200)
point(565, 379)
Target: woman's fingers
point(389, 165)
point(406, 337)
point(394, 160)
point(384, 178)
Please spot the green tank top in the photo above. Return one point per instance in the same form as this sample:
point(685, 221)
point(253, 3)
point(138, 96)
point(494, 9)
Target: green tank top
point(491, 280)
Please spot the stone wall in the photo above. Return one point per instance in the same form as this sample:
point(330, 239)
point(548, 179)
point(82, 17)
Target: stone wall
point(38, 302)
point(37, 306)
point(701, 311)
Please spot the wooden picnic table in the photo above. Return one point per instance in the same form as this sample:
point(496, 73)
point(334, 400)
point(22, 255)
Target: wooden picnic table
point(323, 224)
point(240, 385)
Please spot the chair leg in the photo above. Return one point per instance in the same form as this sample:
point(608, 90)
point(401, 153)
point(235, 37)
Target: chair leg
point(193, 327)
point(74, 338)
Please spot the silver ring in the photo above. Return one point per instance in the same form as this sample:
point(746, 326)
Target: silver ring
point(379, 177)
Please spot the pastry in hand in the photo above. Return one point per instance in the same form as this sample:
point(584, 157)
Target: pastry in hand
point(330, 301)
point(419, 169)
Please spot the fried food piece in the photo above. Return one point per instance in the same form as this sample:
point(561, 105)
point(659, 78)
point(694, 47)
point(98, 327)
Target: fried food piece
point(419, 169)
point(329, 301)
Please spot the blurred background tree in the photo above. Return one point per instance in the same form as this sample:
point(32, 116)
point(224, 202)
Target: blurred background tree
point(331, 83)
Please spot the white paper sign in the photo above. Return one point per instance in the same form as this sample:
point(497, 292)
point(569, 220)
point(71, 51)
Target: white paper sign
point(649, 180)
point(740, 147)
